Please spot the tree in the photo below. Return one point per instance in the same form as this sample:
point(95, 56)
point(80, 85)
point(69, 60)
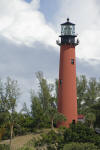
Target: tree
point(90, 119)
point(25, 109)
point(92, 92)
point(12, 93)
point(45, 89)
point(44, 105)
point(24, 124)
point(88, 93)
point(96, 110)
point(56, 88)
point(3, 110)
point(81, 93)
point(37, 112)
point(9, 93)
point(53, 113)
point(78, 133)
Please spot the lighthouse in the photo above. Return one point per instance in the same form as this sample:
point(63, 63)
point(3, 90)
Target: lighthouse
point(67, 93)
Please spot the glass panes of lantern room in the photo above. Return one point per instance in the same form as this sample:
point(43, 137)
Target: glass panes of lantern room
point(68, 30)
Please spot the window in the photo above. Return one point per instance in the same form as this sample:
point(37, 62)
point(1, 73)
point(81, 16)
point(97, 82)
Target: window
point(73, 121)
point(68, 29)
point(60, 82)
point(72, 61)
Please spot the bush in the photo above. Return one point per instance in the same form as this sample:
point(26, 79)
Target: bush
point(4, 147)
point(48, 138)
point(80, 146)
point(77, 133)
point(52, 140)
point(81, 133)
point(6, 135)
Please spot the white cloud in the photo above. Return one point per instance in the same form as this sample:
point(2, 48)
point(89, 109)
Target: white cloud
point(86, 14)
point(89, 44)
point(35, 4)
point(22, 23)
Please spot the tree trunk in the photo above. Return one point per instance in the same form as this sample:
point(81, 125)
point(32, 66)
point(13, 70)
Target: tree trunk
point(91, 125)
point(52, 124)
point(11, 135)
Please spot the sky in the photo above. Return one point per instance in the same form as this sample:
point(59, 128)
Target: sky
point(28, 33)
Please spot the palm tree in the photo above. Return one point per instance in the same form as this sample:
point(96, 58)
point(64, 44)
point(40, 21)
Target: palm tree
point(90, 119)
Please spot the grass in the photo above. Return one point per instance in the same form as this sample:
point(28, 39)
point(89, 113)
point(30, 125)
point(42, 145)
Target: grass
point(21, 141)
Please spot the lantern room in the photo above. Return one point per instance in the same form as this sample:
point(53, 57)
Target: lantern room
point(68, 34)
point(68, 28)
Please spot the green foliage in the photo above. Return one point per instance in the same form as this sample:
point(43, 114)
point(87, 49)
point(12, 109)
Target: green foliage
point(2, 132)
point(80, 146)
point(44, 106)
point(9, 93)
point(39, 116)
point(4, 147)
point(90, 118)
point(96, 109)
point(3, 118)
point(50, 140)
point(44, 113)
point(52, 112)
point(87, 92)
point(45, 89)
point(92, 91)
point(24, 124)
point(56, 88)
point(78, 133)
point(81, 92)
point(81, 133)
point(6, 134)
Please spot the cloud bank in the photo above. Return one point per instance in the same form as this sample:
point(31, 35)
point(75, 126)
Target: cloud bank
point(23, 23)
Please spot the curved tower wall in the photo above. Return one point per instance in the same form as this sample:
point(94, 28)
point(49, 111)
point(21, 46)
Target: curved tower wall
point(67, 94)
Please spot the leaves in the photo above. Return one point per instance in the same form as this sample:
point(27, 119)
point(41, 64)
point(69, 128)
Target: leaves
point(88, 92)
point(44, 105)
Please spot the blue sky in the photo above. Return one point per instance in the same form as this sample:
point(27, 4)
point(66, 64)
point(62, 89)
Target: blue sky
point(28, 1)
point(49, 8)
point(28, 34)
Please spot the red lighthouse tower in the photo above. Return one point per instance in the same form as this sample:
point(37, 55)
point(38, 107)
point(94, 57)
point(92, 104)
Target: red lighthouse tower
point(67, 96)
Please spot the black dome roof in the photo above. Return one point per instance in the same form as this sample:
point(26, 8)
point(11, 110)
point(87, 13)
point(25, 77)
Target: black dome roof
point(67, 23)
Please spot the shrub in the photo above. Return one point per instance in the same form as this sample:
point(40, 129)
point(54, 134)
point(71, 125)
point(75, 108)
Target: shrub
point(50, 140)
point(4, 147)
point(80, 146)
point(77, 133)
point(81, 133)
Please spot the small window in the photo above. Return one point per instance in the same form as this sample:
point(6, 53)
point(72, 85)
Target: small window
point(60, 82)
point(73, 121)
point(72, 61)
